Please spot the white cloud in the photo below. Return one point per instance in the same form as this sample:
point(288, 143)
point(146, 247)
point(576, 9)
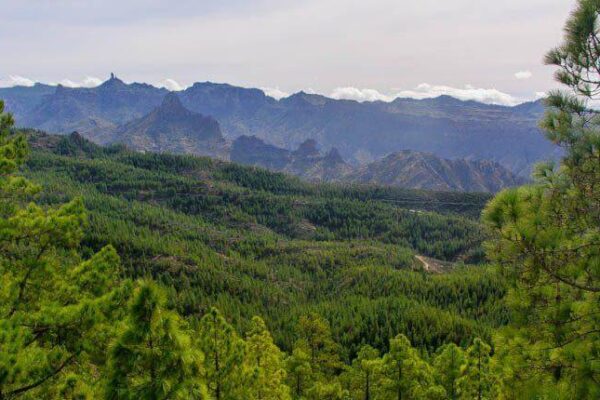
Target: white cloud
point(427, 91)
point(352, 93)
point(69, 83)
point(522, 75)
point(540, 95)
point(469, 92)
point(16, 80)
point(275, 93)
point(170, 84)
point(91, 81)
point(87, 82)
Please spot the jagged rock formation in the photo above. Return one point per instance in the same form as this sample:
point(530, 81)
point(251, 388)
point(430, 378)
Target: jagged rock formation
point(306, 161)
point(172, 128)
point(250, 150)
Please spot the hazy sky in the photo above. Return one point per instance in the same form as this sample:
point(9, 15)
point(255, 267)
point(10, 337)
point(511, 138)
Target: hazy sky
point(368, 49)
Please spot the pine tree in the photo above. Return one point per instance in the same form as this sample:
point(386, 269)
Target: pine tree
point(224, 355)
point(448, 365)
point(477, 381)
point(299, 372)
point(56, 311)
point(361, 377)
point(266, 365)
point(316, 340)
point(330, 390)
point(404, 375)
point(548, 233)
point(153, 357)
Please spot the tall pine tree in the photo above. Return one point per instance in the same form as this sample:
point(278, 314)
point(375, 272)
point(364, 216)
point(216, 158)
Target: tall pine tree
point(224, 353)
point(361, 377)
point(265, 363)
point(56, 310)
point(448, 366)
point(405, 375)
point(477, 381)
point(153, 357)
point(548, 233)
point(300, 374)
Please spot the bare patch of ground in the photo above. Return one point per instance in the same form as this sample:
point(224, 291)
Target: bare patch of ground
point(432, 265)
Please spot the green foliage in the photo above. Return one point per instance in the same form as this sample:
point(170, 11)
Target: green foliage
point(224, 355)
point(477, 381)
point(361, 377)
point(315, 339)
point(254, 243)
point(404, 374)
point(547, 237)
point(153, 358)
point(56, 310)
point(448, 365)
point(331, 390)
point(299, 371)
point(265, 364)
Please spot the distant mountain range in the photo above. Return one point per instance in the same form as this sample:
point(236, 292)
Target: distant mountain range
point(447, 138)
point(408, 169)
point(90, 111)
point(362, 132)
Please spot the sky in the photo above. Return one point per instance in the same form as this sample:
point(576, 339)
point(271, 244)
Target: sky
point(490, 51)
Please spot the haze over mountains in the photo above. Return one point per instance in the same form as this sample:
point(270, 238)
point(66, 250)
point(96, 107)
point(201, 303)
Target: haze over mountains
point(408, 169)
point(207, 118)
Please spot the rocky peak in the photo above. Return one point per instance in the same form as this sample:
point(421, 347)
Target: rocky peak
point(172, 102)
point(303, 99)
point(307, 149)
point(334, 157)
point(113, 82)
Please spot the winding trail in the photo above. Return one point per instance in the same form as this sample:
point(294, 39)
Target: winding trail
point(423, 261)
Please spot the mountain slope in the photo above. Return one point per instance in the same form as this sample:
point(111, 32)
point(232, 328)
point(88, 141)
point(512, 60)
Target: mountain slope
point(21, 100)
point(174, 129)
point(426, 171)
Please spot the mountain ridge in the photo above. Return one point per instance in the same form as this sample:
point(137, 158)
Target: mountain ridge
point(405, 169)
point(362, 132)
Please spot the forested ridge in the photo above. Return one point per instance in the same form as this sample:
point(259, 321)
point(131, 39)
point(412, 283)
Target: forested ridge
point(253, 242)
point(153, 276)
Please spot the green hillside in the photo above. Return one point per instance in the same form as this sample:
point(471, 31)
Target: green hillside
point(252, 242)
